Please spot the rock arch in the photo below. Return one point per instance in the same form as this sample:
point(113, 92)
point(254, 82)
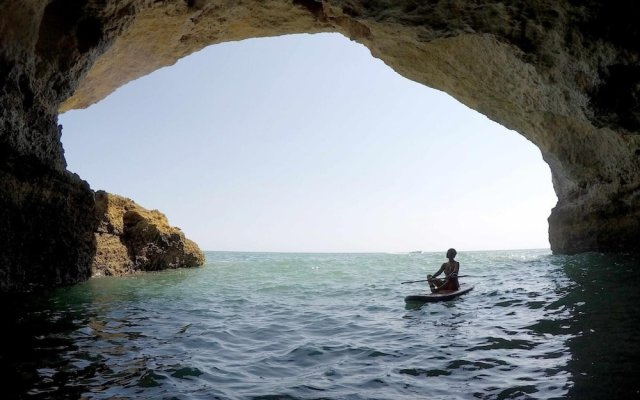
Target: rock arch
point(564, 74)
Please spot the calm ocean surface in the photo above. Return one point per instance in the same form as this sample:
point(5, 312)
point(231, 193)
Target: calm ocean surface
point(333, 326)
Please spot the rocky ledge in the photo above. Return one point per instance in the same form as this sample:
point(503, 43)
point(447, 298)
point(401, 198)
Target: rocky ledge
point(130, 238)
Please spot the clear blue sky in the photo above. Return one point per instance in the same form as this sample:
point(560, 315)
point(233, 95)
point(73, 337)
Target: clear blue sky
point(308, 143)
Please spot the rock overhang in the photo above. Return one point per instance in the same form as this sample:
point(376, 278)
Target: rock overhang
point(564, 74)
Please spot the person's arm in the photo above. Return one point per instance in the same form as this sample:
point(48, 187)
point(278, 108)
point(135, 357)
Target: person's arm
point(439, 271)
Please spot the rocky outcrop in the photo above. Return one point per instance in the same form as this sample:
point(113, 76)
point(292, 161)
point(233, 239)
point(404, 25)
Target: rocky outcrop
point(565, 74)
point(130, 239)
point(46, 238)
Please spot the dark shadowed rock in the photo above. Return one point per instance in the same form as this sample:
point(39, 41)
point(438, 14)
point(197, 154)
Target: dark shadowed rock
point(45, 237)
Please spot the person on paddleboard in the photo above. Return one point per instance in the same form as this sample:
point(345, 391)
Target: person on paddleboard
point(450, 269)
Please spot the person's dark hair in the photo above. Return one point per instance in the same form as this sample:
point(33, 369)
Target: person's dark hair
point(451, 253)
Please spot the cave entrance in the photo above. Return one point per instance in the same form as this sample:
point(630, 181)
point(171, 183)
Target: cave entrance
point(308, 143)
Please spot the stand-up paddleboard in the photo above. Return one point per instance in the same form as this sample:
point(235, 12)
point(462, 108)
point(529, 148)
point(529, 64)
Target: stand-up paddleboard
point(431, 297)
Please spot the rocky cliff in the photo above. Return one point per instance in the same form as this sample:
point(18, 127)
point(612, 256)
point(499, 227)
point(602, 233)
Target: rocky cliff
point(565, 74)
point(130, 238)
point(46, 238)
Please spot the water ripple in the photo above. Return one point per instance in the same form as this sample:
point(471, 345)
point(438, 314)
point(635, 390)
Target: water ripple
point(286, 326)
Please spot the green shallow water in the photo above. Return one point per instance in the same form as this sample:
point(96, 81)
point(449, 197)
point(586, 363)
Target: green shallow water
point(310, 326)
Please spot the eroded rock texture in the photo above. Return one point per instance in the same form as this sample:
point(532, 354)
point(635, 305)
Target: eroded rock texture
point(45, 236)
point(565, 74)
point(130, 238)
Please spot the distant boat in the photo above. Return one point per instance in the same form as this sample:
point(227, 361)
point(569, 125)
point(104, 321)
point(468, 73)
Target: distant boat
point(415, 252)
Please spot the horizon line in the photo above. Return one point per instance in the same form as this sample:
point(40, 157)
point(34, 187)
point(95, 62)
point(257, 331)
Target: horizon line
point(370, 252)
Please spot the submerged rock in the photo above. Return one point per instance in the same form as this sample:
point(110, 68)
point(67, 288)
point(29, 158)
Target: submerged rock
point(130, 238)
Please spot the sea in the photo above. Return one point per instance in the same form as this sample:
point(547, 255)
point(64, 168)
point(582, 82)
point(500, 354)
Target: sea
point(333, 326)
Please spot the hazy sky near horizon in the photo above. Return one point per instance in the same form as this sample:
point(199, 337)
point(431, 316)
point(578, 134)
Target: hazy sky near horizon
point(308, 143)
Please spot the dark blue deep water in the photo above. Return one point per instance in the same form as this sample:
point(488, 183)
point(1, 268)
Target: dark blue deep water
point(333, 326)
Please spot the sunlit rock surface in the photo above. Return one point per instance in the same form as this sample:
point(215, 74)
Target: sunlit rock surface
point(564, 74)
point(130, 238)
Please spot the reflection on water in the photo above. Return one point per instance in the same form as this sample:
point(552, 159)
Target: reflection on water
point(605, 325)
point(35, 340)
point(313, 326)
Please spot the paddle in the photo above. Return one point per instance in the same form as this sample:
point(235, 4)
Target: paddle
point(427, 280)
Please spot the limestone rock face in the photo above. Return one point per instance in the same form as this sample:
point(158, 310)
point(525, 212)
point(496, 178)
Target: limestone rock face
point(130, 238)
point(46, 238)
point(565, 74)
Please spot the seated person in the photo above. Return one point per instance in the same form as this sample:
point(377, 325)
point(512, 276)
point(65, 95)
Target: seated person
point(450, 281)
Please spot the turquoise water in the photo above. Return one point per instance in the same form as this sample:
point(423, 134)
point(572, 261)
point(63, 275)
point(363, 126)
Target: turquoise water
point(311, 326)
